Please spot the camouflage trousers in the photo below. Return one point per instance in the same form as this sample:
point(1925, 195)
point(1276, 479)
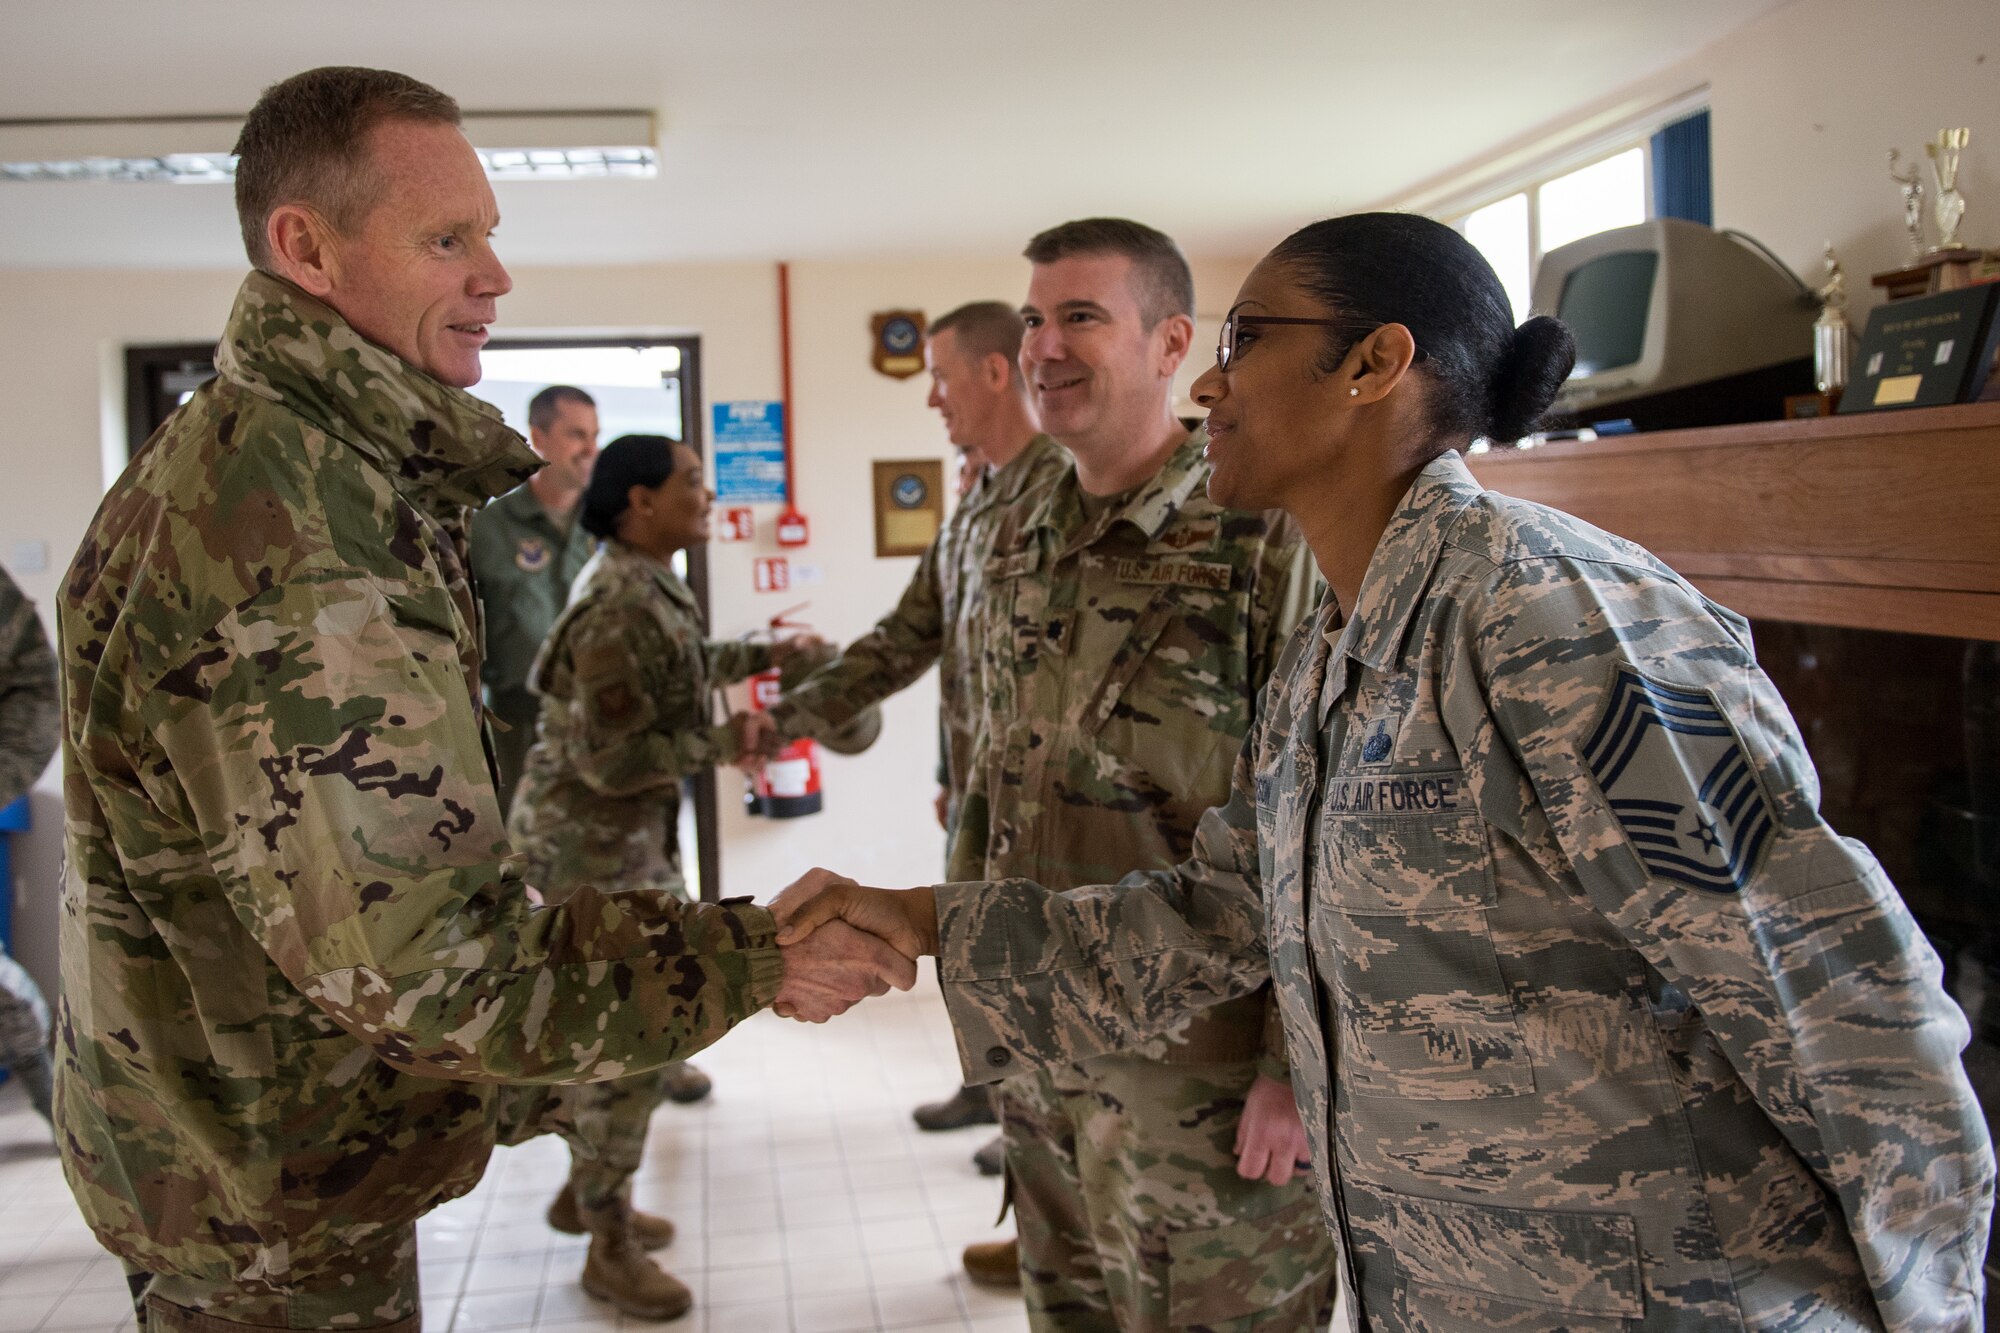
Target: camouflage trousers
point(373, 1289)
point(606, 1131)
point(1132, 1218)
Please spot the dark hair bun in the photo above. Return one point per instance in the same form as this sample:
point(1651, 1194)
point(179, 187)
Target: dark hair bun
point(1530, 374)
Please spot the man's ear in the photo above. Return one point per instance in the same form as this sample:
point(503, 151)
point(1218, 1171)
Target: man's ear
point(996, 370)
point(304, 250)
point(1176, 336)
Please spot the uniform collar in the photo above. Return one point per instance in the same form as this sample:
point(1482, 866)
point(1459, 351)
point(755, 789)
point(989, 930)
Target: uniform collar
point(523, 506)
point(641, 565)
point(438, 445)
point(1004, 485)
point(1149, 508)
point(1400, 571)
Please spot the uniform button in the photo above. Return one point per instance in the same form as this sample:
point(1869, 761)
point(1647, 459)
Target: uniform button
point(998, 1055)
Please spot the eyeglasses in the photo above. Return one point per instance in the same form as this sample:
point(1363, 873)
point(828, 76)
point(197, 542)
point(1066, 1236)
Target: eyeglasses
point(1226, 349)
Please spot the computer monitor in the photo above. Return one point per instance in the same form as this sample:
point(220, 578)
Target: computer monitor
point(1677, 324)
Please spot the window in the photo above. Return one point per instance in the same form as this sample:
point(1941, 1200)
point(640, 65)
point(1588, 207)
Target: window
point(1516, 231)
point(1653, 165)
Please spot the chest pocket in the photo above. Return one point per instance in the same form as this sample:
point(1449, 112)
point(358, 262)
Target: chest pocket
point(1402, 935)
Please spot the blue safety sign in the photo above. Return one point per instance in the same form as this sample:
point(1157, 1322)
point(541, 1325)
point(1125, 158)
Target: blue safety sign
point(749, 443)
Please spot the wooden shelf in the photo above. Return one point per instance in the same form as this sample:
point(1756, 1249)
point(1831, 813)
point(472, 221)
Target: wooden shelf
point(1884, 520)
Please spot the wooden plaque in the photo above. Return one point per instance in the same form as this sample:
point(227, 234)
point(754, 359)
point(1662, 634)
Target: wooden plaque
point(909, 505)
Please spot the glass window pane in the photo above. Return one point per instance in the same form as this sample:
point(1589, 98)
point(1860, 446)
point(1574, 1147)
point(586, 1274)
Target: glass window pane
point(1500, 232)
point(1606, 194)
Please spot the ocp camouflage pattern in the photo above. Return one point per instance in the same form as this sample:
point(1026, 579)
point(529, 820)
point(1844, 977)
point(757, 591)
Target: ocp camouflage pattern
point(932, 622)
point(1565, 1063)
point(296, 948)
point(28, 723)
point(626, 680)
point(1121, 652)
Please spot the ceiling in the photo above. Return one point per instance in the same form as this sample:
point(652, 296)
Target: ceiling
point(851, 128)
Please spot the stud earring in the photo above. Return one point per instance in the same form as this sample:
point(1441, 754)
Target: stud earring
point(1354, 393)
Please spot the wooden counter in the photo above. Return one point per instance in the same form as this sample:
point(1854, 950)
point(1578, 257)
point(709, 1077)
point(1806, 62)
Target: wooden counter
point(1887, 520)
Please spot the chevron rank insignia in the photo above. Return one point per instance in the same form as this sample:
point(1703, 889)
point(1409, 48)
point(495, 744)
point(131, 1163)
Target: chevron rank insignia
point(1680, 784)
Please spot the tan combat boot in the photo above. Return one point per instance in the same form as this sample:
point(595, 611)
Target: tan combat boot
point(654, 1233)
point(994, 1263)
point(618, 1271)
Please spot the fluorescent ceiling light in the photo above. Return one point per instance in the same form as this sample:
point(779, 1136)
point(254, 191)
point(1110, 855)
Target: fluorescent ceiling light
point(557, 145)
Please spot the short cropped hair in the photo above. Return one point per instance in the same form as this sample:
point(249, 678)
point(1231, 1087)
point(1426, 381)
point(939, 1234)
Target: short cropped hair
point(985, 328)
point(1163, 282)
point(545, 406)
point(306, 142)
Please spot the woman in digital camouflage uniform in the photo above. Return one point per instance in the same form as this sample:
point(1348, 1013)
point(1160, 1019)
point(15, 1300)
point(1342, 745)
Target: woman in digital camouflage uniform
point(625, 678)
point(1594, 1023)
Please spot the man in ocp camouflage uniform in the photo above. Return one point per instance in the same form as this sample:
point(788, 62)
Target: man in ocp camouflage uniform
point(296, 954)
point(973, 354)
point(1126, 625)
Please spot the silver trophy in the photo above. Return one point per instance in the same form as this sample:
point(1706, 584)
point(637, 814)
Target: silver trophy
point(1912, 182)
point(1833, 336)
point(1943, 152)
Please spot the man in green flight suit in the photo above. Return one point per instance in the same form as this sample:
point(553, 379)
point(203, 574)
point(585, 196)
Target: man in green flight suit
point(297, 954)
point(526, 550)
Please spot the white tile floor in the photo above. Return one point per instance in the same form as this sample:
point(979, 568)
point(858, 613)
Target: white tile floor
point(807, 1201)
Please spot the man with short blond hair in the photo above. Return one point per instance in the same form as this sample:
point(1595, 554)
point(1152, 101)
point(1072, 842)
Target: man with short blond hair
point(297, 955)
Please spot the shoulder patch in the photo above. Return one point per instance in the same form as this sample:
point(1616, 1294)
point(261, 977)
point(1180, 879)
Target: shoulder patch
point(1187, 573)
point(1680, 785)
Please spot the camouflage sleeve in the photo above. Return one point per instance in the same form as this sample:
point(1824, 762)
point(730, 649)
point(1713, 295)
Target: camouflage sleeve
point(29, 726)
point(1678, 793)
point(321, 742)
point(1288, 591)
point(639, 706)
point(886, 659)
point(730, 660)
point(1033, 978)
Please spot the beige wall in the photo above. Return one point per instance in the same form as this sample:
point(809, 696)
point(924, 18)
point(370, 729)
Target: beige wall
point(61, 337)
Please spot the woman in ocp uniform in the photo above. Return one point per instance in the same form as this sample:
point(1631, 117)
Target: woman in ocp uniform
point(625, 680)
point(1594, 1023)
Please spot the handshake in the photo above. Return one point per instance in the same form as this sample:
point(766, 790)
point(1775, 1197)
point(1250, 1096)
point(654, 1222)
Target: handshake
point(842, 942)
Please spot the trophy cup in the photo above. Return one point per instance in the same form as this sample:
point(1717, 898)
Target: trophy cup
point(1943, 152)
point(1833, 337)
point(1913, 203)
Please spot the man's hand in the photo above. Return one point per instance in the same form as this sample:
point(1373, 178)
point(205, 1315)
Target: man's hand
point(835, 968)
point(782, 650)
point(1270, 1139)
point(756, 738)
point(906, 919)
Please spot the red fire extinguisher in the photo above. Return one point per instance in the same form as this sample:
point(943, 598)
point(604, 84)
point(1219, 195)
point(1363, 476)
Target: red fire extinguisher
point(787, 786)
